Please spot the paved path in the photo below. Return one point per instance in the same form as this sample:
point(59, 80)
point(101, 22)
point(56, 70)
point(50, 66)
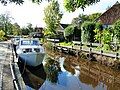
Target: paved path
point(5, 73)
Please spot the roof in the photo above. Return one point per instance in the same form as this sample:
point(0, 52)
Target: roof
point(64, 25)
point(111, 15)
point(61, 27)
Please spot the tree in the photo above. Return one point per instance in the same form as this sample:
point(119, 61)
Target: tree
point(16, 29)
point(30, 27)
point(25, 31)
point(94, 16)
point(52, 17)
point(88, 31)
point(5, 21)
point(70, 5)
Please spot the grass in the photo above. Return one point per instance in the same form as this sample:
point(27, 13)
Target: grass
point(86, 47)
point(66, 44)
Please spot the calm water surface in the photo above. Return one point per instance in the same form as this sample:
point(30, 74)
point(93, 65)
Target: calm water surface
point(91, 75)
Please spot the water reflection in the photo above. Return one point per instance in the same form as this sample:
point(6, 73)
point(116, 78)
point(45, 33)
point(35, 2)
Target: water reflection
point(93, 76)
point(33, 77)
point(65, 80)
point(75, 74)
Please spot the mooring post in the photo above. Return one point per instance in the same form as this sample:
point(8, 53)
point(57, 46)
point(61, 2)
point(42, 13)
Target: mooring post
point(80, 46)
point(54, 44)
point(116, 57)
point(101, 53)
point(90, 53)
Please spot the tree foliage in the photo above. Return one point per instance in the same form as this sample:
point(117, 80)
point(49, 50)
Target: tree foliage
point(68, 32)
point(2, 35)
point(98, 32)
point(5, 21)
point(88, 31)
point(72, 5)
point(117, 30)
point(16, 29)
point(28, 29)
point(106, 36)
point(5, 2)
point(94, 16)
point(52, 17)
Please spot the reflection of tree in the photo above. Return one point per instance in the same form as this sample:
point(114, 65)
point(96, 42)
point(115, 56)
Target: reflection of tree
point(93, 73)
point(52, 69)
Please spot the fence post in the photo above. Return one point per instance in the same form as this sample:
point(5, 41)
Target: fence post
point(80, 46)
point(101, 53)
point(116, 57)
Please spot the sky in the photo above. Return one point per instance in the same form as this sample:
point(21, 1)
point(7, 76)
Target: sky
point(33, 13)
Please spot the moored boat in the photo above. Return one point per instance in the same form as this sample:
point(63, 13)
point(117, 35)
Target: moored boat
point(30, 51)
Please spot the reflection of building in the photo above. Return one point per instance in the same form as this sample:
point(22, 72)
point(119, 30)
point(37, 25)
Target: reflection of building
point(95, 75)
point(111, 15)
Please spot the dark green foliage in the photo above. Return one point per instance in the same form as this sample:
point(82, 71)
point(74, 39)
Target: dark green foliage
point(117, 30)
point(27, 30)
point(68, 33)
point(94, 16)
point(99, 26)
point(88, 31)
point(69, 30)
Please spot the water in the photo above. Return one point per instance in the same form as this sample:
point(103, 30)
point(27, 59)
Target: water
point(77, 74)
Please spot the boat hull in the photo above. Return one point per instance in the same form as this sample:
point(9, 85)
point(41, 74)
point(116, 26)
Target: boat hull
point(32, 59)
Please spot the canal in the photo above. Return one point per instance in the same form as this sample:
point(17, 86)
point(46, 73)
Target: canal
point(77, 74)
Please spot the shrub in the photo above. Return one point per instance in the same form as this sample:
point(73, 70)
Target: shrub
point(68, 33)
point(87, 31)
point(2, 33)
point(106, 47)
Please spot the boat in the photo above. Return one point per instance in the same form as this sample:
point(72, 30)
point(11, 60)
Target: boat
point(30, 51)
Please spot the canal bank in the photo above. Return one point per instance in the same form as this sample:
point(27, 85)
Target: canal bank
point(5, 72)
point(108, 59)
